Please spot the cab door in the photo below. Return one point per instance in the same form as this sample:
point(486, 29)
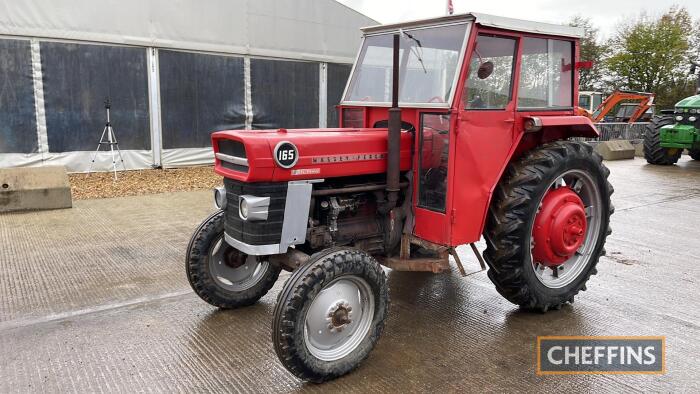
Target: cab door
point(485, 132)
point(432, 215)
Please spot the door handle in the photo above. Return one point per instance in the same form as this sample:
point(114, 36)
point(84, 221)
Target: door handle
point(509, 120)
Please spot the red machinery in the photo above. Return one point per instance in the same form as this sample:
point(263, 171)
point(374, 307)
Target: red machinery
point(639, 101)
point(450, 129)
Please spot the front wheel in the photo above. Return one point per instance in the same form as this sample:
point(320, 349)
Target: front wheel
point(547, 225)
point(330, 314)
point(654, 153)
point(222, 275)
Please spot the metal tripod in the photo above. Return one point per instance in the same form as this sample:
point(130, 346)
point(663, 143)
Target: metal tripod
point(111, 140)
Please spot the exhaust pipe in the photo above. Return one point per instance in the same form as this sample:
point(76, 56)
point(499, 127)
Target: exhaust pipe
point(394, 134)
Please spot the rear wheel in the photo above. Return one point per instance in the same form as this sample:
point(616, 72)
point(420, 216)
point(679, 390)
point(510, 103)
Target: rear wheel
point(654, 153)
point(694, 154)
point(330, 314)
point(547, 225)
point(220, 274)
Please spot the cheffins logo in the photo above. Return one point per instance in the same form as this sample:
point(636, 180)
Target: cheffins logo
point(599, 355)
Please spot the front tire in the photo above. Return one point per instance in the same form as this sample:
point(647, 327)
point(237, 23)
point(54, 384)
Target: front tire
point(552, 187)
point(221, 275)
point(330, 314)
point(694, 154)
point(654, 153)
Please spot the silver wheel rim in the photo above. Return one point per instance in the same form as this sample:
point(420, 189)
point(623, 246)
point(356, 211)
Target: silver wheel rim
point(328, 337)
point(587, 189)
point(231, 278)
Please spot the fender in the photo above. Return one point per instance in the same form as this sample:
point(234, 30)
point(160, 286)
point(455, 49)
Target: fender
point(560, 127)
point(543, 129)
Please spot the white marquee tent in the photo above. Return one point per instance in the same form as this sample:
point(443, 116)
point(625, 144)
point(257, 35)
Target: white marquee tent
point(174, 70)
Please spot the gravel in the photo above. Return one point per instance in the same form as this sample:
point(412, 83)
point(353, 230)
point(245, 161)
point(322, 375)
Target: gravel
point(141, 182)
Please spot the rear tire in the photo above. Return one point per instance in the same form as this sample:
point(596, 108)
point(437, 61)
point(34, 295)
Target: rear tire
point(330, 314)
point(694, 154)
point(221, 275)
point(510, 228)
point(654, 153)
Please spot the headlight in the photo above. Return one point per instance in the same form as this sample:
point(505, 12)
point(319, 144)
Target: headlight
point(532, 124)
point(679, 118)
point(693, 110)
point(252, 208)
point(220, 197)
point(243, 209)
point(692, 118)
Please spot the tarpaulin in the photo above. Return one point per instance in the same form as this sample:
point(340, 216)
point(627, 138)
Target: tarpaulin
point(77, 80)
point(337, 78)
point(284, 94)
point(17, 109)
point(199, 94)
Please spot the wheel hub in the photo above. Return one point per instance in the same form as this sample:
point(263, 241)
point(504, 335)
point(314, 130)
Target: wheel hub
point(560, 227)
point(233, 270)
point(339, 316)
point(233, 258)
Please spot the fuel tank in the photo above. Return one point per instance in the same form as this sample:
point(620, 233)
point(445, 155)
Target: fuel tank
point(249, 155)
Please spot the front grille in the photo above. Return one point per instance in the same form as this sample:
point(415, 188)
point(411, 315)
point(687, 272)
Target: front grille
point(685, 120)
point(233, 166)
point(232, 148)
point(266, 232)
point(232, 155)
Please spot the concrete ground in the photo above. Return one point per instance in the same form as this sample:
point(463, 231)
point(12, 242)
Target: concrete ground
point(94, 299)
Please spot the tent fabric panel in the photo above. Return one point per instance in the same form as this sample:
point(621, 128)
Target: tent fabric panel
point(18, 132)
point(337, 78)
point(284, 94)
point(78, 78)
point(200, 94)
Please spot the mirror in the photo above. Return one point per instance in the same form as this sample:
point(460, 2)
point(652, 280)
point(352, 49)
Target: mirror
point(485, 70)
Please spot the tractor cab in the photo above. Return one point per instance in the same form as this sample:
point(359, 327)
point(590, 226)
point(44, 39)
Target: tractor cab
point(468, 86)
point(451, 129)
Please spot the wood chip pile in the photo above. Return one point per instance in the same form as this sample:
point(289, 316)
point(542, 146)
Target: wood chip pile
point(140, 182)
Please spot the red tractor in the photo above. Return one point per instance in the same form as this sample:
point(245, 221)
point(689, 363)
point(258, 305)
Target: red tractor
point(450, 129)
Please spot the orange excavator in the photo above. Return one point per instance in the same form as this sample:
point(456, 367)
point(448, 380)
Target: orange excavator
point(643, 102)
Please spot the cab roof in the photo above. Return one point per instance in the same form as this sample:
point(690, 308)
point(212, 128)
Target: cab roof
point(499, 22)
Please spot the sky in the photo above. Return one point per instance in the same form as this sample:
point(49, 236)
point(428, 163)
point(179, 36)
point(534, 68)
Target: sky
point(605, 14)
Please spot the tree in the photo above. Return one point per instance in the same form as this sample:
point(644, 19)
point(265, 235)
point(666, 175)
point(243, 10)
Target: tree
point(590, 50)
point(652, 55)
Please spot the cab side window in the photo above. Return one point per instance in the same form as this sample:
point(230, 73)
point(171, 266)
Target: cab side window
point(546, 74)
point(490, 81)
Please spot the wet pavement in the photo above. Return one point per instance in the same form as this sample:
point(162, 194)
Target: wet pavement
point(94, 299)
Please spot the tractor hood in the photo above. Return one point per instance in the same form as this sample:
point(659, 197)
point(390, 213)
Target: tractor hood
point(286, 155)
point(689, 102)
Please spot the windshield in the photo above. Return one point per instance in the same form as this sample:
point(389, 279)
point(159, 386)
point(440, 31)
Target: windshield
point(428, 60)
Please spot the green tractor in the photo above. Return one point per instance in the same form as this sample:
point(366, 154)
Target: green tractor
point(667, 135)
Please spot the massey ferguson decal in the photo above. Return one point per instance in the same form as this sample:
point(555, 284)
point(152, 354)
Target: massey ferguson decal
point(347, 158)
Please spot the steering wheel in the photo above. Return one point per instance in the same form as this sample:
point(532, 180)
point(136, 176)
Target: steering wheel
point(436, 99)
